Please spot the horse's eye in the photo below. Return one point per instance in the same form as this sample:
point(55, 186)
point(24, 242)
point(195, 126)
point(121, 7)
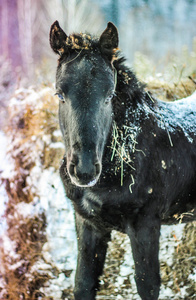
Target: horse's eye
point(60, 96)
point(108, 99)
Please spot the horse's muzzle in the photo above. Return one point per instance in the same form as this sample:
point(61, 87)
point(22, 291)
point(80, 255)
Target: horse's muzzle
point(84, 173)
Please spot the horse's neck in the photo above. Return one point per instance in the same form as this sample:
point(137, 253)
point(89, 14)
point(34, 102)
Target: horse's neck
point(132, 115)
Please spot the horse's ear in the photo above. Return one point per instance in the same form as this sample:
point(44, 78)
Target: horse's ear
point(109, 40)
point(57, 39)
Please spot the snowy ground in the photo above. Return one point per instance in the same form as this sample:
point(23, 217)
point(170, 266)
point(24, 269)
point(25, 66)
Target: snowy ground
point(3, 195)
point(60, 249)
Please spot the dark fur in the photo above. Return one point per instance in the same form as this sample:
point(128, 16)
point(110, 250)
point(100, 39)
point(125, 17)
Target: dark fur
point(159, 169)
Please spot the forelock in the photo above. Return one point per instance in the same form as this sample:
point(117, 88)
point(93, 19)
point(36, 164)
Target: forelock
point(80, 41)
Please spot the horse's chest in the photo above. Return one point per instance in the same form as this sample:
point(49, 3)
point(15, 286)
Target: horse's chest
point(91, 205)
point(101, 214)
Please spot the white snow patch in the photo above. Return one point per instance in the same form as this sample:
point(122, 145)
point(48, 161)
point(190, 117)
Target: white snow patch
point(57, 133)
point(193, 276)
point(170, 238)
point(9, 247)
point(61, 247)
point(58, 145)
point(6, 171)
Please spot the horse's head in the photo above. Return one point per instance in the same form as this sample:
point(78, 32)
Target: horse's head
point(85, 84)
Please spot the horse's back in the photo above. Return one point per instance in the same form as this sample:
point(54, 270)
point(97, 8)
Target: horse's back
point(174, 161)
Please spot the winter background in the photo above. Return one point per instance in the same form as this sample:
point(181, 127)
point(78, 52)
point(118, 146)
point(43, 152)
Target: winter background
point(38, 246)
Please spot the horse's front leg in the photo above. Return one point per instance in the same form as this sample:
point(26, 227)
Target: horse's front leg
point(144, 235)
point(92, 246)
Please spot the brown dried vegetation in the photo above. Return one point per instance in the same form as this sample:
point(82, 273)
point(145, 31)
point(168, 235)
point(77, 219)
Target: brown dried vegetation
point(171, 91)
point(28, 114)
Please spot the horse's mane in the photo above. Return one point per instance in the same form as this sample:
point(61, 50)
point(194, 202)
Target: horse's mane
point(129, 90)
point(127, 80)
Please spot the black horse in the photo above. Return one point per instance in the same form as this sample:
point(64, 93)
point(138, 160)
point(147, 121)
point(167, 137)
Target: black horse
point(130, 160)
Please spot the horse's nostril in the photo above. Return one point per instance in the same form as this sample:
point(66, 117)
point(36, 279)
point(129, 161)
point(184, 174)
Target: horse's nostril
point(98, 168)
point(72, 169)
